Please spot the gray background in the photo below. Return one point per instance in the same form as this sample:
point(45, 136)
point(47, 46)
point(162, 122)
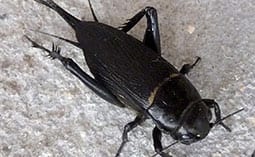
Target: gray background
point(47, 112)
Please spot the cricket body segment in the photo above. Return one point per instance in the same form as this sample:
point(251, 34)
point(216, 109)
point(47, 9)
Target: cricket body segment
point(132, 73)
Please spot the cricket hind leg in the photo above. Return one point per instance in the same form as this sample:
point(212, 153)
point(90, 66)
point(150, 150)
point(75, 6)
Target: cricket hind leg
point(70, 19)
point(71, 66)
point(151, 36)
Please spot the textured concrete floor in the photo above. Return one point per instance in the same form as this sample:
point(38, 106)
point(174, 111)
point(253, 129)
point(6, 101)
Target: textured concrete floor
point(46, 112)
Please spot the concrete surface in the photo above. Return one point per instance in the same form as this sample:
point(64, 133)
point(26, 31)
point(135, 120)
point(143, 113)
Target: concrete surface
point(47, 112)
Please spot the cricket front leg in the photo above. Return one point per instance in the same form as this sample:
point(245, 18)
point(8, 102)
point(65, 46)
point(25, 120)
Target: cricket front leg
point(157, 136)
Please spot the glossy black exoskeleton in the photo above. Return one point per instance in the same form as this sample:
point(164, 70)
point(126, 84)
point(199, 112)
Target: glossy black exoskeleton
point(132, 73)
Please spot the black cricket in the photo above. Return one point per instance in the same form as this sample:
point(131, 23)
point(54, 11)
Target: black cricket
point(132, 73)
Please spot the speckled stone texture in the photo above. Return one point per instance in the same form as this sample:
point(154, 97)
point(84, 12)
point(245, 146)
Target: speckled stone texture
point(47, 112)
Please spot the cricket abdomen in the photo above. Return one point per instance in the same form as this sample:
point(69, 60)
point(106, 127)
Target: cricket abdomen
point(121, 62)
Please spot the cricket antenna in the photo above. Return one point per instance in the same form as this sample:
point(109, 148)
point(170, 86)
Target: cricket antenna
point(222, 119)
